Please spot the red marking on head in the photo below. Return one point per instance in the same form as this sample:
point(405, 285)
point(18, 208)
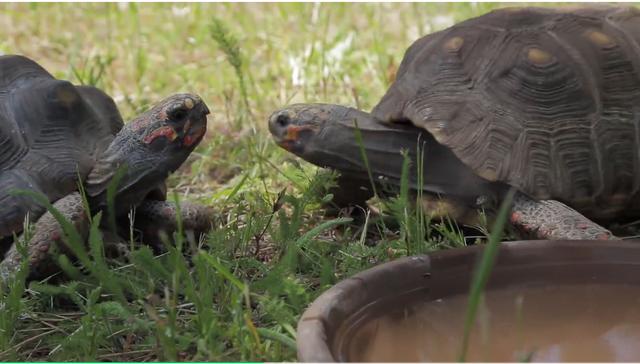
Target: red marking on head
point(55, 236)
point(294, 130)
point(165, 131)
point(603, 236)
point(189, 139)
point(287, 145)
point(293, 133)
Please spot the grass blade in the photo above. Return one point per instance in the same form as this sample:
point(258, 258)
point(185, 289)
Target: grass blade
point(483, 271)
point(276, 336)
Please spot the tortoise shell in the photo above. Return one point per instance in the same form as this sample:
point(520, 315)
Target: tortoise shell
point(50, 134)
point(547, 101)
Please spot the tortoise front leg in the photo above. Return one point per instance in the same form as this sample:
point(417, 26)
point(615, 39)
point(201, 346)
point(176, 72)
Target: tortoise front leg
point(153, 216)
point(46, 235)
point(550, 219)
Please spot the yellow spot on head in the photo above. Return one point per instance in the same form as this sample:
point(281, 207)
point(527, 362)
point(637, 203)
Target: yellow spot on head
point(188, 103)
point(454, 44)
point(601, 39)
point(538, 57)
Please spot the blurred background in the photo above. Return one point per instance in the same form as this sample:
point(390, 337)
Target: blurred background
point(236, 295)
point(244, 59)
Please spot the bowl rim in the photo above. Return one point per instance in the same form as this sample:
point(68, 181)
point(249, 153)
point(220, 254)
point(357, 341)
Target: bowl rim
point(352, 294)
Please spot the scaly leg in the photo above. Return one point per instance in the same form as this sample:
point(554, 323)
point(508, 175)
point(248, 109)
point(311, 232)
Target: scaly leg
point(47, 234)
point(550, 219)
point(154, 216)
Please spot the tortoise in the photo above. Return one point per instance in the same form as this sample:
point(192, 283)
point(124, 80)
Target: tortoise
point(542, 101)
point(54, 134)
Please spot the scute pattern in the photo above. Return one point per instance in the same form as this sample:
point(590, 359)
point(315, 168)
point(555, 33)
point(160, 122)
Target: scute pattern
point(50, 133)
point(547, 101)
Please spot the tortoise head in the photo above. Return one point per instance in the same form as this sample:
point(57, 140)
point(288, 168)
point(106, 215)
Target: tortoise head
point(325, 134)
point(337, 137)
point(304, 128)
point(175, 124)
point(151, 146)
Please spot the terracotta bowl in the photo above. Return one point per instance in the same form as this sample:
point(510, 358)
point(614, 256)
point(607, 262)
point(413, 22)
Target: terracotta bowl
point(448, 272)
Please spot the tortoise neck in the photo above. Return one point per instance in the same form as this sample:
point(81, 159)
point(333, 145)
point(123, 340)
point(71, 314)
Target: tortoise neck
point(359, 144)
point(120, 169)
point(356, 143)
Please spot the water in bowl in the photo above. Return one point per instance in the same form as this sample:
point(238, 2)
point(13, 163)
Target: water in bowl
point(587, 322)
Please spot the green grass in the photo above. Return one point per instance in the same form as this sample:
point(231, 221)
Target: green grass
point(483, 271)
point(237, 294)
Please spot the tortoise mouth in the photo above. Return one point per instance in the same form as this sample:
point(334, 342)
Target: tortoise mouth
point(193, 133)
point(289, 134)
point(295, 137)
point(194, 129)
point(194, 136)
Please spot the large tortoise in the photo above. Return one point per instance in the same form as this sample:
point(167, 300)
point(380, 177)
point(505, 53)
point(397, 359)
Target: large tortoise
point(543, 100)
point(54, 134)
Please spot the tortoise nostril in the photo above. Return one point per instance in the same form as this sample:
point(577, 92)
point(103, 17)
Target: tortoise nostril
point(282, 120)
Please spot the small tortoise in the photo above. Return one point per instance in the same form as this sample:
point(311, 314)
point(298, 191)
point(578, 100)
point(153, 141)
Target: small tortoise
point(545, 101)
point(53, 134)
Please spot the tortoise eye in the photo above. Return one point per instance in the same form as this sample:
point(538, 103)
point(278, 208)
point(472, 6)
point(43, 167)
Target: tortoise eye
point(282, 120)
point(178, 113)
